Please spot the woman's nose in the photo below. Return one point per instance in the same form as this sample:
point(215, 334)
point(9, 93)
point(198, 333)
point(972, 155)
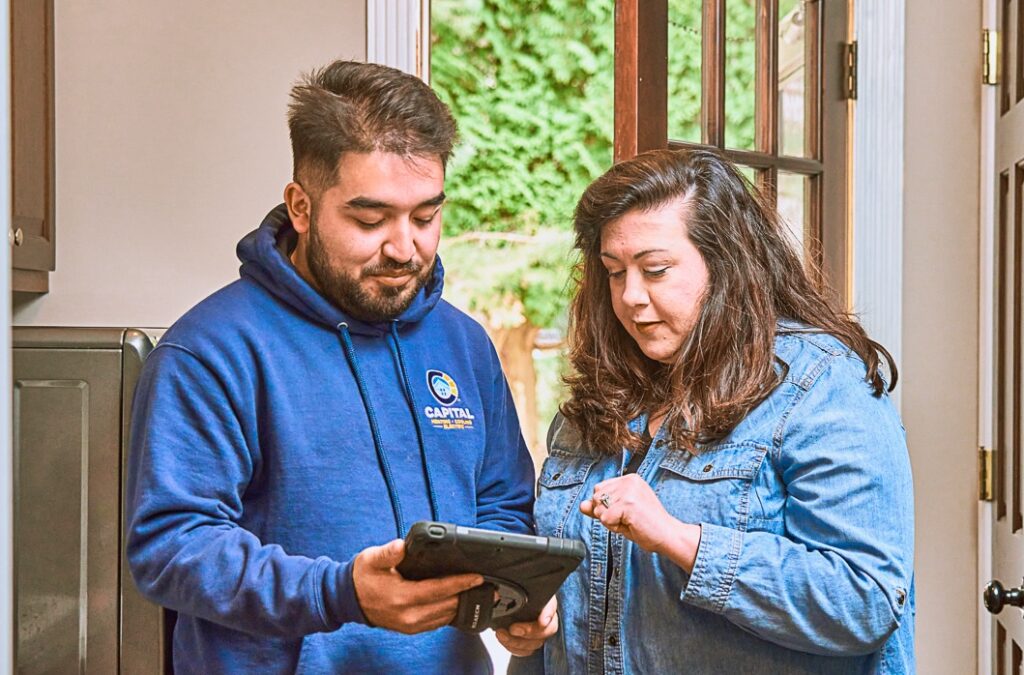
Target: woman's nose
point(634, 292)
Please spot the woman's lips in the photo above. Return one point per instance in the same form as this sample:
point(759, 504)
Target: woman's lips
point(645, 327)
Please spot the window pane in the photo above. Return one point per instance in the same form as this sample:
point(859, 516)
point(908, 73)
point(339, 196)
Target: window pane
point(792, 77)
point(684, 74)
point(792, 188)
point(740, 57)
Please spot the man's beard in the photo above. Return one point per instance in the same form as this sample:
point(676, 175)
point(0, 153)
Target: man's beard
point(352, 295)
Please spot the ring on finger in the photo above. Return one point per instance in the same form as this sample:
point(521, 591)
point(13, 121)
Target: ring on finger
point(606, 500)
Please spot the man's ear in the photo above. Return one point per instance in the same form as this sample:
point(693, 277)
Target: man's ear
point(300, 207)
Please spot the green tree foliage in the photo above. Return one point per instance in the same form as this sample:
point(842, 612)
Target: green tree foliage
point(684, 61)
point(530, 82)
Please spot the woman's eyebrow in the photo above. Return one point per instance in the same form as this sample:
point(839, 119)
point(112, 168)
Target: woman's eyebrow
point(636, 256)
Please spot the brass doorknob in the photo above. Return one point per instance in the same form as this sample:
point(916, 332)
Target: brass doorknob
point(996, 597)
point(16, 236)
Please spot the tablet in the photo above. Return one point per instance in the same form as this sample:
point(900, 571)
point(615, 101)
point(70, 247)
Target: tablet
point(521, 571)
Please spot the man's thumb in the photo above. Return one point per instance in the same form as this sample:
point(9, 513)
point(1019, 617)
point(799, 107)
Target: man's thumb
point(387, 556)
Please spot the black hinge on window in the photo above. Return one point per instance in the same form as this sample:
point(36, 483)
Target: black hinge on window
point(850, 70)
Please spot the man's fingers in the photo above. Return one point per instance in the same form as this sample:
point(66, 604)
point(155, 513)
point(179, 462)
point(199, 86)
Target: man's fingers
point(439, 613)
point(434, 590)
point(387, 556)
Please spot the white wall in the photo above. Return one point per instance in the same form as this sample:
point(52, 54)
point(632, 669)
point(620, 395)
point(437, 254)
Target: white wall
point(172, 144)
point(939, 372)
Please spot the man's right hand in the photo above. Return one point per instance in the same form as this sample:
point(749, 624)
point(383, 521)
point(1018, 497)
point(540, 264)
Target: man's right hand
point(390, 601)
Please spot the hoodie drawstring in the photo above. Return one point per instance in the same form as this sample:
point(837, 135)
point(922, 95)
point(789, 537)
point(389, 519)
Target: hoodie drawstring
point(385, 467)
point(416, 422)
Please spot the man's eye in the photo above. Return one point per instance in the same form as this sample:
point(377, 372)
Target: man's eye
point(370, 226)
point(656, 272)
point(424, 222)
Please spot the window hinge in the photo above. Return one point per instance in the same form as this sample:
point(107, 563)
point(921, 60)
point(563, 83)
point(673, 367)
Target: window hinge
point(989, 57)
point(850, 70)
point(986, 471)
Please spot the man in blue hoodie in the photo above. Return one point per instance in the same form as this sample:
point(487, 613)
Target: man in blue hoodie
point(289, 429)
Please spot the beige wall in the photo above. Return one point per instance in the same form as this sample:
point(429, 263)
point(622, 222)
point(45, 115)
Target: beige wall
point(172, 144)
point(940, 321)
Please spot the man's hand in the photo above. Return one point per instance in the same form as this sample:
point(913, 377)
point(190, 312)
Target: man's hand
point(390, 601)
point(523, 639)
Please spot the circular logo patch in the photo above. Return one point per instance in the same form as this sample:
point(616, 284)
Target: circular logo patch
point(443, 387)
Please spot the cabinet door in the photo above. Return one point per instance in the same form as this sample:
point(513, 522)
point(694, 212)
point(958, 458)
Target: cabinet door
point(67, 415)
point(32, 144)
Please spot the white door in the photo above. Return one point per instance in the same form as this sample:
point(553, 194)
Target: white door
point(1004, 596)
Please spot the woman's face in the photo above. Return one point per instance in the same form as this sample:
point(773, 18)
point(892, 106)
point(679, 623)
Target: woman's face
point(656, 276)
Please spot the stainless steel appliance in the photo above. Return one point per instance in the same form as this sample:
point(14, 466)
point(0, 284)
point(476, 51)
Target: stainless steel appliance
point(77, 609)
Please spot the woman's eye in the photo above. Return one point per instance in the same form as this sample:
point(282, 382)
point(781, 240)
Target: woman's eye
point(656, 272)
point(616, 275)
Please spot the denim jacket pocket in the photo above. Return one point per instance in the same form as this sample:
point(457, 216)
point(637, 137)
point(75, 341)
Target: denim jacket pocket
point(561, 480)
point(712, 487)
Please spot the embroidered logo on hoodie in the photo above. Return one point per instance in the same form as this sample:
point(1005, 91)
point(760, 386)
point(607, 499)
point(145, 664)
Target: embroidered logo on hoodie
point(443, 388)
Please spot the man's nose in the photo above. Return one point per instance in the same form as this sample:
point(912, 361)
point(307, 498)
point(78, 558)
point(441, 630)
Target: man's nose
point(400, 244)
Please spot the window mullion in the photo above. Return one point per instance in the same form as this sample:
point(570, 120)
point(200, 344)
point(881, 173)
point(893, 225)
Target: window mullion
point(712, 107)
point(813, 91)
point(766, 107)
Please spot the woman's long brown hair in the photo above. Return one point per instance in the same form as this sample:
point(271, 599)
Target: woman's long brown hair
point(727, 364)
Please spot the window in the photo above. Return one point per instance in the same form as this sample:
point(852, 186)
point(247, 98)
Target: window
point(763, 82)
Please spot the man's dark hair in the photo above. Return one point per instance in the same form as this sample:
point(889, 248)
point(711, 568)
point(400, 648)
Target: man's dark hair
point(727, 364)
point(349, 106)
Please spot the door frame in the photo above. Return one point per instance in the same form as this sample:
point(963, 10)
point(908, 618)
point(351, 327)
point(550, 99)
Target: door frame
point(986, 336)
point(6, 454)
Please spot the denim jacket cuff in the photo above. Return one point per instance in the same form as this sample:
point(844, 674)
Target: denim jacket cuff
point(714, 570)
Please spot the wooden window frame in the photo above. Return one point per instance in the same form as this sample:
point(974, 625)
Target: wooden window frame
point(641, 110)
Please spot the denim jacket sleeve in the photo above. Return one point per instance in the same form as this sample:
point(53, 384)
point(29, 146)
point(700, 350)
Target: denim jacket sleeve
point(838, 580)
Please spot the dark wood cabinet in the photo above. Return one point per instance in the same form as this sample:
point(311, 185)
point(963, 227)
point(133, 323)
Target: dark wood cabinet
point(32, 230)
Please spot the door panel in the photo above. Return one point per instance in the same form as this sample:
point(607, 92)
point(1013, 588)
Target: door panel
point(1008, 357)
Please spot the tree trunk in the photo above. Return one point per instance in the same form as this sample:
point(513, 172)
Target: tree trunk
point(515, 349)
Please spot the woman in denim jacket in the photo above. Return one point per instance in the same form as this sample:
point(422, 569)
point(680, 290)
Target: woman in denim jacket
point(728, 454)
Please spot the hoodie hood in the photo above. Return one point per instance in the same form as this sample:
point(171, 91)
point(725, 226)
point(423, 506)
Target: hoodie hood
point(264, 254)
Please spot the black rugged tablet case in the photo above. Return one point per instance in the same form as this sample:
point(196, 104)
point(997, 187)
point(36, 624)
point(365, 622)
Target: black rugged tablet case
point(525, 570)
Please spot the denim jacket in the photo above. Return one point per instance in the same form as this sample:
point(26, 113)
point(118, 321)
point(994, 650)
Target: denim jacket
point(805, 562)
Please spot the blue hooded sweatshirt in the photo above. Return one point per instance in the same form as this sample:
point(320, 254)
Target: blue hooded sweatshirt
point(273, 438)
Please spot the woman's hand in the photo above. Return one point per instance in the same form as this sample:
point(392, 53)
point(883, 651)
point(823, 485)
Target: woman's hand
point(524, 638)
point(628, 506)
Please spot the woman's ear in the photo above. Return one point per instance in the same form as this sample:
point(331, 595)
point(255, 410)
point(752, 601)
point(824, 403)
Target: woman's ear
point(299, 205)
